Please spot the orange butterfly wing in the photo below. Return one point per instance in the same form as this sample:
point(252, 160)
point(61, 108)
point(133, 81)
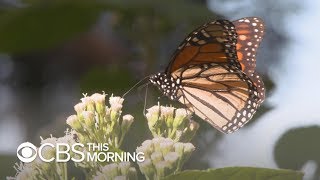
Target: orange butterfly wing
point(222, 95)
point(214, 42)
point(250, 32)
point(213, 74)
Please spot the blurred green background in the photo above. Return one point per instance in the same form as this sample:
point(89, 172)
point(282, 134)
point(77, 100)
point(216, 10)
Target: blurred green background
point(53, 51)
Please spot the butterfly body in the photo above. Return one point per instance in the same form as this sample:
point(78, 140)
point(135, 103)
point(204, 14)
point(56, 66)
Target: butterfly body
point(168, 85)
point(213, 73)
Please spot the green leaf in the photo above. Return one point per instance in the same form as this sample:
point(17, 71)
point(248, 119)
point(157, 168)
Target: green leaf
point(42, 26)
point(237, 173)
point(297, 146)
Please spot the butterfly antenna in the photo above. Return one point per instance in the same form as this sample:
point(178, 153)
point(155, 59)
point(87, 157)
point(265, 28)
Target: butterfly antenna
point(145, 95)
point(145, 100)
point(139, 82)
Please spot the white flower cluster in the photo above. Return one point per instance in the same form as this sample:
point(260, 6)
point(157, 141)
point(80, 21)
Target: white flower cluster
point(97, 123)
point(94, 122)
point(117, 171)
point(39, 169)
point(172, 123)
point(163, 157)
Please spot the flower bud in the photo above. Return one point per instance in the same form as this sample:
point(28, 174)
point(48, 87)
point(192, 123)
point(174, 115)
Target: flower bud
point(179, 148)
point(115, 112)
point(167, 113)
point(156, 157)
point(79, 108)
point(146, 167)
point(156, 142)
point(188, 149)
point(74, 123)
point(180, 119)
point(145, 149)
point(127, 120)
point(167, 157)
point(162, 168)
point(166, 147)
point(172, 158)
point(148, 144)
point(89, 119)
point(115, 106)
point(124, 167)
point(153, 116)
point(99, 100)
point(111, 170)
point(132, 174)
point(89, 103)
point(115, 100)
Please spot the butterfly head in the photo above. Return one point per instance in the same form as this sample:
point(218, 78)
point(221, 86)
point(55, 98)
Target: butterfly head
point(168, 85)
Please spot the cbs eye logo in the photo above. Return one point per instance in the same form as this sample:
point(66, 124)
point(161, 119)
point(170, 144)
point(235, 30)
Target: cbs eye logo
point(25, 151)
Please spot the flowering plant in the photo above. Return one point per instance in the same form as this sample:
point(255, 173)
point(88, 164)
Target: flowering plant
point(164, 154)
point(94, 122)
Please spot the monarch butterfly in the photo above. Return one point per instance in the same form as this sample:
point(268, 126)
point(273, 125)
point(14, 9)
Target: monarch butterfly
point(213, 73)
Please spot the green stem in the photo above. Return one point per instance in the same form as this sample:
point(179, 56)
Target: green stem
point(121, 138)
point(59, 170)
point(172, 133)
point(65, 171)
point(116, 141)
